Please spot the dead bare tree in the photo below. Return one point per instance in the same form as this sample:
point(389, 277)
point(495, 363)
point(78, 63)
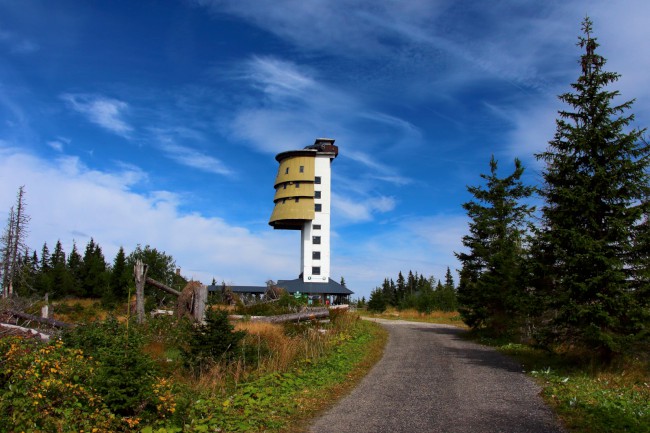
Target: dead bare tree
point(12, 244)
point(140, 274)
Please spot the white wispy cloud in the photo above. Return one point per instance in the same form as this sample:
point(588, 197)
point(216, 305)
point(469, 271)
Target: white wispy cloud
point(382, 171)
point(106, 112)
point(58, 144)
point(166, 139)
point(278, 78)
point(195, 159)
point(297, 106)
point(67, 200)
point(354, 210)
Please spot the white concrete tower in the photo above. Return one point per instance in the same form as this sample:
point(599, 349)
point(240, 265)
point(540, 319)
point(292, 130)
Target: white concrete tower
point(302, 202)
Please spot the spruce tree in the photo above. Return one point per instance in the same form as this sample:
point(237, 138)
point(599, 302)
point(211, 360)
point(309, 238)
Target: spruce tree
point(60, 280)
point(447, 299)
point(377, 301)
point(94, 273)
point(42, 282)
point(400, 289)
point(411, 283)
point(74, 269)
point(120, 278)
point(490, 292)
point(596, 193)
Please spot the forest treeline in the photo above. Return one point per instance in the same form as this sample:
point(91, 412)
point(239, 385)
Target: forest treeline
point(415, 291)
point(89, 275)
point(576, 272)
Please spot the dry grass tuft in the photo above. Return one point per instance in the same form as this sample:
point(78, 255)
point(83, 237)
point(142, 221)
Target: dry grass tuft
point(443, 317)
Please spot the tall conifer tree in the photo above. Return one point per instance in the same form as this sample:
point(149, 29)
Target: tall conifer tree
point(42, 283)
point(74, 269)
point(60, 280)
point(120, 278)
point(490, 292)
point(596, 192)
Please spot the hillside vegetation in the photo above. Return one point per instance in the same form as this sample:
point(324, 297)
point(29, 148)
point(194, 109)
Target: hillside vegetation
point(165, 376)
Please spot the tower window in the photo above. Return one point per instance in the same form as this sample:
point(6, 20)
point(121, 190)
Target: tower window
point(315, 270)
point(302, 168)
point(315, 255)
point(286, 171)
point(316, 194)
point(284, 186)
point(316, 226)
point(297, 184)
point(315, 240)
point(318, 207)
point(316, 180)
point(297, 199)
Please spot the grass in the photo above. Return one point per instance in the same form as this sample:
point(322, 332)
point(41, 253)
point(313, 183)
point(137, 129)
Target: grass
point(286, 399)
point(588, 396)
point(78, 310)
point(441, 317)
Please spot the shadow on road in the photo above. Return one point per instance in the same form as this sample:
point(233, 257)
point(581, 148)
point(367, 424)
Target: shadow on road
point(473, 353)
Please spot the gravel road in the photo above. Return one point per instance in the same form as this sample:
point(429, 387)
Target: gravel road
point(430, 380)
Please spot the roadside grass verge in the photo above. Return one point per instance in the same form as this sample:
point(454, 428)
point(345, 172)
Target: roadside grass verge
point(119, 376)
point(441, 317)
point(587, 396)
point(285, 398)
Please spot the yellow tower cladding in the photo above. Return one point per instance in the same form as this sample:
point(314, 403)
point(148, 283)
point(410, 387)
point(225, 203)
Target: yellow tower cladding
point(294, 186)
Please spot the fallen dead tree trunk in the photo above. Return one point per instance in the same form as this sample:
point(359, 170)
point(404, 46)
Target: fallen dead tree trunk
point(161, 286)
point(303, 316)
point(42, 336)
point(50, 322)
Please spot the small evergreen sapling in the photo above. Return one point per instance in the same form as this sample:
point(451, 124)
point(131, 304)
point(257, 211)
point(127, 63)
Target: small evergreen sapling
point(213, 340)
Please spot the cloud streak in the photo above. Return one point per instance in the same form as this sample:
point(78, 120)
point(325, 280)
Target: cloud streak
point(106, 112)
point(195, 159)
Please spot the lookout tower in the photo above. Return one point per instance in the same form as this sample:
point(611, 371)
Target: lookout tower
point(302, 202)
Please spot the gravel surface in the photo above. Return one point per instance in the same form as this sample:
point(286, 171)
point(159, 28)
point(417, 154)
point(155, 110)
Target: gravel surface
point(430, 380)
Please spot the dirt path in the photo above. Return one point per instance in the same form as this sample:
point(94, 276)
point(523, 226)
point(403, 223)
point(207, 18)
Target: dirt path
point(430, 380)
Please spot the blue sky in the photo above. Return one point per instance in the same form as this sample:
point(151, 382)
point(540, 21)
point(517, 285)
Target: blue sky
point(157, 122)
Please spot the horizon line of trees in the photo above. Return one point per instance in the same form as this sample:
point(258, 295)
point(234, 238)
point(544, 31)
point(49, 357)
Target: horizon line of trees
point(415, 291)
point(61, 275)
point(580, 277)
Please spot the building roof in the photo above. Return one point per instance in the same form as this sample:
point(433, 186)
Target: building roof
point(331, 287)
point(240, 289)
point(292, 286)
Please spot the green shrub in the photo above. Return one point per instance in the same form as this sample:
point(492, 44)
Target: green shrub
point(377, 302)
point(212, 341)
point(125, 376)
point(286, 304)
point(47, 387)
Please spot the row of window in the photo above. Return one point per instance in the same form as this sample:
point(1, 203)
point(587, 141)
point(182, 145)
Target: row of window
point(316, 181)
point(317, 194)
point(317, 207)
point(302, 170)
